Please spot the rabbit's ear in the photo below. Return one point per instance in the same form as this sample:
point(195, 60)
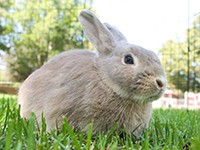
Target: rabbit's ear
point(116, 33)
point(97, 33)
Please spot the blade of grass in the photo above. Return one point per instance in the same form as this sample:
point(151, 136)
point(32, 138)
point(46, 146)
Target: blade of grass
point(7, 115)
point(19, 146)
point(72, 135)
point(89, 136)
point(31, 141)
point(146, 140)
point(58, 142)
point(9, 135)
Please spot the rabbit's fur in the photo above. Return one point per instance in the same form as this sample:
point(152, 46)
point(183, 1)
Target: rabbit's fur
point(101, 88)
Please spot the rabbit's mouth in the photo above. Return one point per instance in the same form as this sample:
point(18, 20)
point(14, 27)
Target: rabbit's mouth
point(156, 96)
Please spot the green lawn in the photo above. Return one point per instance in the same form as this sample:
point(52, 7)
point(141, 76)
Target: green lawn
point(169, 129)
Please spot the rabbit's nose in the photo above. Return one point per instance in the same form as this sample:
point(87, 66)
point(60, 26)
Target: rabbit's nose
point(159, 82)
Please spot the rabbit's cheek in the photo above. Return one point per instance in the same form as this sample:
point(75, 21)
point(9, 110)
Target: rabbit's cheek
point(122, 77)
point(126, 80)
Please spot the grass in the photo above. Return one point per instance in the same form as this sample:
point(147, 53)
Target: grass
point(169, 129)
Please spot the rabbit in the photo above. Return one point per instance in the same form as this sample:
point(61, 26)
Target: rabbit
point(115, 85)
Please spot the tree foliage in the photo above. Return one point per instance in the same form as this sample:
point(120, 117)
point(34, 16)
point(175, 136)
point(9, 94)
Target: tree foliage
point(42, 28)
point(5, 28)
point(175, 60)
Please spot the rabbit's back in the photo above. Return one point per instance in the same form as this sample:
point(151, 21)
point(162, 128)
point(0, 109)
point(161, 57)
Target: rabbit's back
point(51, 88)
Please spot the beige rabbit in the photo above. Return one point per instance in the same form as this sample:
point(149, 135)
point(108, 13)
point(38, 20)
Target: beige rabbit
point(117, 85)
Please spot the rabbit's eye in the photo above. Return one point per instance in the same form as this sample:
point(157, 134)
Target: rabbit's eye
point(128, 59)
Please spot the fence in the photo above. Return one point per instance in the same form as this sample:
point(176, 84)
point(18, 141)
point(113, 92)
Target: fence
point(171, 100)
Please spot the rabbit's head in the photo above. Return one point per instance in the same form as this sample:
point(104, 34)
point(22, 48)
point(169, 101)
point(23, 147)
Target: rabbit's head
point(130, 71)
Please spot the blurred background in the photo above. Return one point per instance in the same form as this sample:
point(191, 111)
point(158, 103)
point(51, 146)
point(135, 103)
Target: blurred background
point(32, 31)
